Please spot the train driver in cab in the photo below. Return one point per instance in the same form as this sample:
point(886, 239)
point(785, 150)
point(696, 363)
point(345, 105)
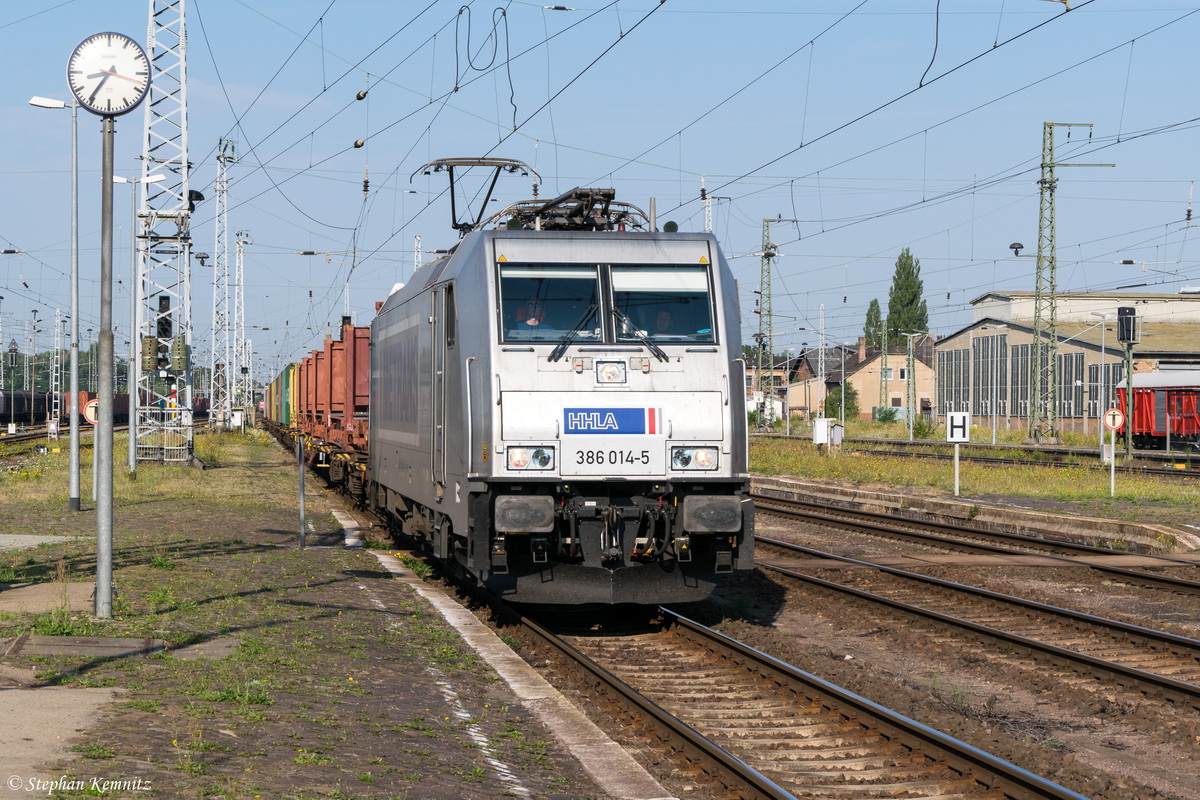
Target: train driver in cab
point(533, 313)
point(662, 322)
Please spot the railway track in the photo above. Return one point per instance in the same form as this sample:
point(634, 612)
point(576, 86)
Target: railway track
point(758, 727)
point(1192, 470)
point(1154, 462)
point(1156, 664)
point(965, 539)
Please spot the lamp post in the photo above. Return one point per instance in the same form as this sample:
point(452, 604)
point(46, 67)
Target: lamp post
point(787, 393)
point(32, 384)
point(73, 401)
point(910, 383)
point(1104, 316)
point(842, 378)
point(807, 381)
point(91, 362)
point(133, 378)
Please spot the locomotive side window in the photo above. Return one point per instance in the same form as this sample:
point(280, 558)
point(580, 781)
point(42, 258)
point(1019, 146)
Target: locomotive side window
point(666, 303)
point(544, 302)
point(451, 317)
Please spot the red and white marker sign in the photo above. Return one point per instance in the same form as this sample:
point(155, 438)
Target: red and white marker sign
point(91, 411)
point(1114, 418)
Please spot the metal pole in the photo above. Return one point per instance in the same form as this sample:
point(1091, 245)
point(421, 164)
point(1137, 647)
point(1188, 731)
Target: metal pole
point(1112, 462)
point(300, 464)
point(134, 351)
point(1128, 403)
point(104, 421)
point(1102, 406)
point(73, 402)
point(956, 469)
point(843, 379)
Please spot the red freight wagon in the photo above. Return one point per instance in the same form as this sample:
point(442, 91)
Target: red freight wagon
point(1165, 410)
point(120, 407)
point(333, 383)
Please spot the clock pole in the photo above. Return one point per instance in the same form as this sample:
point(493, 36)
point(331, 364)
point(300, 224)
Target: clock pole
point(104, 423)
point(94, 62)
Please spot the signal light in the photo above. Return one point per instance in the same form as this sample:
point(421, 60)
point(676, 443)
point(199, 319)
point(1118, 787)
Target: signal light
point(180, 354)
point(164, 327)
point(149, 353)
point(1127, 325)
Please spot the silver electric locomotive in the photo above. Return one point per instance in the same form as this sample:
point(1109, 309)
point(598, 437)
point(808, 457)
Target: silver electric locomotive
point(558, 406)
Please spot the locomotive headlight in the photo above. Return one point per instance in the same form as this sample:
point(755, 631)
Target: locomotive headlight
point(610, 372)
point(694, 458)
point(530, 457)
point(542, 458)
point(518, 458)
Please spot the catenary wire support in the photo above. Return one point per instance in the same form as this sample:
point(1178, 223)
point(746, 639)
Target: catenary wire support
point(56, 376)
point(163, 402)
point(242, 379)
point(1043, 357)
point(221, 375)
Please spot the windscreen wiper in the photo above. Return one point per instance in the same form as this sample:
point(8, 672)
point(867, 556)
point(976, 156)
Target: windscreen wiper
point(558, 351)
point(640, 335)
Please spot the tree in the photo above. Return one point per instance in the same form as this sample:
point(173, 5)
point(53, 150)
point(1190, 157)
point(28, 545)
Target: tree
point(833, 402)
point(873, 329)
point(907, 312)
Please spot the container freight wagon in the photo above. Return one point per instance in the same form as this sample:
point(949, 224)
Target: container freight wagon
point(280, 397)
point(324, 399)
point(1166, 410)
point(332, 385)
point(23, 407)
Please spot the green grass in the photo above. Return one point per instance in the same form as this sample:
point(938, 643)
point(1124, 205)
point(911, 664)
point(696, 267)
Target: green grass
point(93, 750)
point(800, 458)
point(60, 622)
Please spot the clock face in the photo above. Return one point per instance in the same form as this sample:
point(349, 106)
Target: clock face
point(109, 74)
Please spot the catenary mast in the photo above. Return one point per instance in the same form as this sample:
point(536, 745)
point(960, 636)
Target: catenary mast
point(164, 289)
point(221, 375)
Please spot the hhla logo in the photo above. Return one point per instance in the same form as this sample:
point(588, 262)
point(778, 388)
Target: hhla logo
point(592, 420)
point(612, 420)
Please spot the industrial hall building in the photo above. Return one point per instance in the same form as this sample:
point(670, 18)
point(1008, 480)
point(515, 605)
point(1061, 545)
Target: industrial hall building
point(985, 368)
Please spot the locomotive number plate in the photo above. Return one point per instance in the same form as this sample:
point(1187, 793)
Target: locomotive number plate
point(613, 457)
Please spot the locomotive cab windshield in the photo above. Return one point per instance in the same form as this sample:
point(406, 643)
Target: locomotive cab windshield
point(642, 303)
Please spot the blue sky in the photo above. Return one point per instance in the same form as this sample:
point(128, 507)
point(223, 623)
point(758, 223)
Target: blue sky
point(878, 125)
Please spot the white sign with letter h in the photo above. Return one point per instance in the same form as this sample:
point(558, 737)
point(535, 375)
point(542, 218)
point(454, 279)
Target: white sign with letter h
point(958, 426)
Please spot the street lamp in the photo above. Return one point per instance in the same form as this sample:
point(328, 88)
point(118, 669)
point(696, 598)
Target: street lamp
point(807, 381)
point(1104, 316)
point(32, 383)
point(843, 387)
point(132, 378)
point(73, 401)
point(91, 361)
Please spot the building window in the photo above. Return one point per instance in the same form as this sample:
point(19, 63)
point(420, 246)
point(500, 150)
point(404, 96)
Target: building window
point(989, 363)
point(1020, 379)
point(1070, 385)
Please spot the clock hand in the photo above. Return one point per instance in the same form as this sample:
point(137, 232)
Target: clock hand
point(119, 75)
point(99, 85)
